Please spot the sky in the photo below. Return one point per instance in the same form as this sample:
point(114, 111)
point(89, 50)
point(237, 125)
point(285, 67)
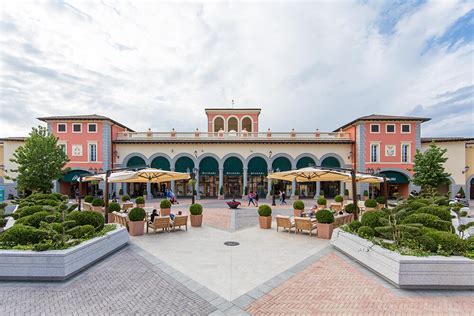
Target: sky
point(307, 65)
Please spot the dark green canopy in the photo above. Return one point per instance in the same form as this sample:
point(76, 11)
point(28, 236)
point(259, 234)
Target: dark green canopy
point(330, 162)
point(184, 164)
point(233, 167)
point(73, 176)
point(281, 163)
point(136, 162)
point(258, 167)
point(160, 163)
point(305, 162)
point(209, 167)
point(395, 177)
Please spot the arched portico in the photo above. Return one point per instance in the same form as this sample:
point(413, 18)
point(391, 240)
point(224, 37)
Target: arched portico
point(207, 178)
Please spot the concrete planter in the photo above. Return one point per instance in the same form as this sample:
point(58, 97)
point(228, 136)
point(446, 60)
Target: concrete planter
point(98, 209)
point(297, 213)
point(434, 272)
point(165, 212)
point(324, 230)
point(136, 228)
point(110, 218)
point(58, 265)
point(196, 220)
point(141, 205)
point(321, 207)
point(265, 222)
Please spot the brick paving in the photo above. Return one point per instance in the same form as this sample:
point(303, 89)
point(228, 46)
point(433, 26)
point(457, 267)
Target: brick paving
point(122, 284)
point(334, 286)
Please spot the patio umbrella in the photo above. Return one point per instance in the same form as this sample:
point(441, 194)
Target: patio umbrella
point(116, 176)
point(310, 174)
point(148, 175)
point(366, 178)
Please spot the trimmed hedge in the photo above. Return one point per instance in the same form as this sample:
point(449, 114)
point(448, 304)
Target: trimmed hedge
point(366, 232)
point(88, 198)
point(354, 226)
point(349, 208)
point(380, 200)
point(372, 219)
point(137, 214)
point(97, 202)
point(22, 235)
point(125, 198)
point(298, 205)
point(87, 218)
point(338, 198)
point(29, 210)
point(81, 231)
point(165, 204)
point(438, 211)
point(428, 220)
point(113, 207)
point(264, 210)
point(33, 220)
point(322, 201)
point(447, 243)
point(370, 203)
point(324, 217)
point(140, 200)
point(195, 209)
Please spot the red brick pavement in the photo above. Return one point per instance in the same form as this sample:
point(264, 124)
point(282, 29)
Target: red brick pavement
point(334, 286)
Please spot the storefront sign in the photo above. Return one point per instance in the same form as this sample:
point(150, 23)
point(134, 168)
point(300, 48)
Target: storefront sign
point(208, 173)
point(233, 173)
point(2, 193)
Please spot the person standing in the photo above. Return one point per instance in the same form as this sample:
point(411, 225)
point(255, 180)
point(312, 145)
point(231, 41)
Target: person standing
point(250, 197)
point(283, 197)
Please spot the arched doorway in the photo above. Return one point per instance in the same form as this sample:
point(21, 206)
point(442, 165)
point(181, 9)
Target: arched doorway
point(159, 189)
point(397, 184)
point(233, 177)
point(184, 164)
point(209, 177)
point(305, 190)
point(247, 124)
point(136, 162)
point(232, 124)
point(282, 164)
point(218, 124)
point(330, 188)
point(258, 170)
point(136, 189)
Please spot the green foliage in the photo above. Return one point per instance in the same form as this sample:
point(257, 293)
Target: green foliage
point(39, 161)
point(21, 235)
point(298, 205)
point(370, 203)
point(87, 218)
point(428, 220)
point(461, 192)
point(137, 214)
point(448, 244)
point(416, 205)
point(372, 219)
point(82, 231)
point(322, 201)
point(97, 202)
point(346, 192)
point(380, 200)
point(429, 169)
point(264, 210)
point(3, 205)
point(324, 217)
point(140, 200)
point(439, 211)
point(33, 220)
point(349, 208)
point(463, 227)
point(28, 210)
point(366, 232)
point(354, 226)
point(195, 209)
point(113, 207)
point(88, 198)
point(72, 207)
point(427, 243)
point(165, 204)
point(338, 199)
point(442, 201)
point(125, 198)
point(366, 193)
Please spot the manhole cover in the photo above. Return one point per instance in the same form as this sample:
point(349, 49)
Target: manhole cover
point(231, 243)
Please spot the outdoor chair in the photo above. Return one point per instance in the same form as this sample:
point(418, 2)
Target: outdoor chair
point(126, 206)
point(87, 206)
point(160, 222)
point(120, 219)
point(304, 224)
point(285, 222)
point(180, 220)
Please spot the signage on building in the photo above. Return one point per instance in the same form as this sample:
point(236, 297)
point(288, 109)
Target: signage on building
point(390, 150)
point(2, 193)
point(208, 173)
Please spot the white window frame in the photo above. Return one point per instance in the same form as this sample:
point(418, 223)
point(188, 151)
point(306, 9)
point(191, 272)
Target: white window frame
point(90, 124)
point(394, 129)
point(377, 158)
point(65, 146)
point(371, 128)
point(80, 124)
point(72, 150)
point(65, 128)
point(89, 152)
point(409, 129)
point(408, 153)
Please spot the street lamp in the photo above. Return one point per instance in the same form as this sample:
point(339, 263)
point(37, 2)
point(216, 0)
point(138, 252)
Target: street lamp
point(192, 182)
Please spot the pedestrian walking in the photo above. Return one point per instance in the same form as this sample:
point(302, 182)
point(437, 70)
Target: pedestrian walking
point(250, 197)
point(283, 198)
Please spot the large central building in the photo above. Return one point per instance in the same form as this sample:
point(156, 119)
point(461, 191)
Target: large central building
point(234, 156)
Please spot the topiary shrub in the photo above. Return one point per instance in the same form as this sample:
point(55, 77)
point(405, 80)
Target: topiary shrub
point(195, 209)
point(372, 219)
point(113, 207)
point(338, 199)
point(3, 205)
point(349, 208)
point(439, 211)
point(49, 202)
point(140, 200)
point(29, 210)
point(354, 226)
point(97, 202)
point(298, 205)
point(366, 232)
point(322, 201)
point(22, 235)
point(264, 210)
point(137, 214)
point(78, 232)
point(165, 204)
point(428, 220)
point(427, 243)
point(324, 217)
point(442, 201)
point(448, 244)
point(125, 198)
point(33, 220)
point(380, 200)
point(87, 218)
point(370, 203)
point(88, 198)
point(414, 205)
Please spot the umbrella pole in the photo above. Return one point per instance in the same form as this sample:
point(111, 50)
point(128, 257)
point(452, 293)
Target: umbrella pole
point(80, 194)
point(106, 196)
point(385, 190)
point(354, 194)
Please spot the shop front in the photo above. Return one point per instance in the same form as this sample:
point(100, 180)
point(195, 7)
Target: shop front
point(330, 188)
point(278, 165)
point(183, 188)
point(69, 184)
point(306, 190)
point(257, 176)
point(136, 189)
point(397, 184)
point(233, 177)
point(209, 178)
point(158, 190)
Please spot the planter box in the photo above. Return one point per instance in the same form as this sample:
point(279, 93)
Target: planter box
point(196, 220)
point(59, 265)
point(409, 272)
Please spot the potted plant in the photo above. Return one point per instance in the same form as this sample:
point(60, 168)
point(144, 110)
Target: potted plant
point(321, 193)
point(380, 202)
point(321, 203)
point(350, 209)
point(221, 193)
point(265, 216)
point(196, 214)
point(88, 198)
point(233, 204)
point(125, 198)
point(298, 208)
point(366, 195)
point(324, 224)
point(370, 205)
point(346, 194)
point(97, 205)
point(165, 208)
point(136, 223)
point(140, 201)
point(112, 207)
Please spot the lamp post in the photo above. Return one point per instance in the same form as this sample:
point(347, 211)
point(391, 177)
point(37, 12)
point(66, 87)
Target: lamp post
point(273, 195)
point(192, 182)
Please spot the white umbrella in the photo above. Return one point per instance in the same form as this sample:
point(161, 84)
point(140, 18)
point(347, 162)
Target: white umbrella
point(148, 175)
point(366, 178)
point(310, 174)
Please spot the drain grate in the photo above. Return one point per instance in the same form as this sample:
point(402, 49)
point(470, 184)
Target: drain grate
point(231, 243)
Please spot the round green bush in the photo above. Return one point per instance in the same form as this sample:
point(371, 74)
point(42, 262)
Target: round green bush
point(113, 207)
point(84, 231)
point(349, 208)
point(87, 218)
point(470, 243)
point(427, 243)
point(322, 201)
point(264, 210)
point(372, 219)
point(366, 193)
point(22, 235)
point(428, 220)
point(366, 232)
point(140, 200)
point(354, 226)
point(338, 198)
point(195, 209)
point(97, 202)
point(125, 198)
point(380, 200)
point(439, 211)
point(298, 205)
point(33, 220)
point(165, 204)
point(324, 217)
point(137, 214)
point(370, 203)
point(447, 243)
point(88, 198)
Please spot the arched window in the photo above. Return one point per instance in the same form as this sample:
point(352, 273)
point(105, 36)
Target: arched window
point(233, 124)
point(247, 124)
point(218, 124)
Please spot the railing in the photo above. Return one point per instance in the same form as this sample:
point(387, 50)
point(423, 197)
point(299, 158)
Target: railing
point(173, 135)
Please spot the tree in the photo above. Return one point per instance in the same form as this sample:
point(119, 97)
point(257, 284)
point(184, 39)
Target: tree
point(39, 160)
point(428, 168)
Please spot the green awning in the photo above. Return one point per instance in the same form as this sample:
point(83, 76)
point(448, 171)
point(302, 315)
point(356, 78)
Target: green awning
point(184, 164)
point(281, 164)
point(209, 167)
point(395, 177)
point(73, 176)
point(160, 163)
point(258, 167)
point(305, 162)
point(136, 162)
point(233, 167)
point(330, 162)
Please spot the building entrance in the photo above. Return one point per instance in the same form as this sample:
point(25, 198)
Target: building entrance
point(233, 186)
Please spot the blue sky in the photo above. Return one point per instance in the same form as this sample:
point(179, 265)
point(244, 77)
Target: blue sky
point(308, 65)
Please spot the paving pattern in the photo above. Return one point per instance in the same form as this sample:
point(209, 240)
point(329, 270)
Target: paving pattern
point(122, 284)
point(332, 285)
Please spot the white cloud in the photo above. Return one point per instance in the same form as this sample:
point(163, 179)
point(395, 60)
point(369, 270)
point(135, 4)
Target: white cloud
point(308, 65)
